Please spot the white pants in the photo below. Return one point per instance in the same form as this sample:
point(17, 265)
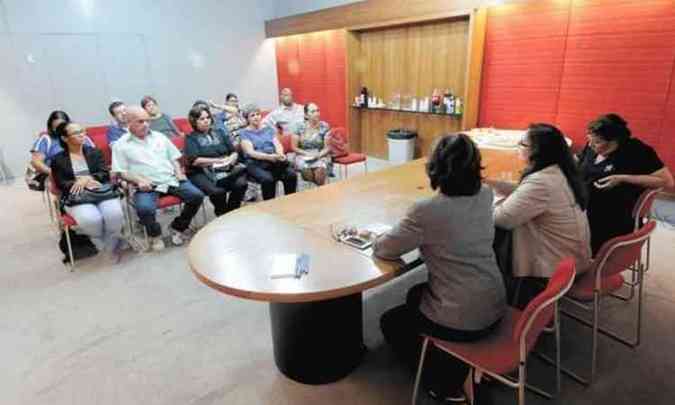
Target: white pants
point(102, 222)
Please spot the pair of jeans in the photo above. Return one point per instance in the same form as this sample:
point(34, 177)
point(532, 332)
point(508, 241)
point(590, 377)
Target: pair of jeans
point(146, 205)
point(218, 192)
point(402, 327)
point(268, 173)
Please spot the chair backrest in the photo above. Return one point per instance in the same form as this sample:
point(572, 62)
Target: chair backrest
point(618, 254)
point(643, 207)
point(98, 135)
point(183, 125)
point(286, 143)
point(338, 142)
point(179, 142)
point(540, 310)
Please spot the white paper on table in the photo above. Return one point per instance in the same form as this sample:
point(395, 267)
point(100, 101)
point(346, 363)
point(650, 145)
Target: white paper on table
point(283, 265)
point(377, 228)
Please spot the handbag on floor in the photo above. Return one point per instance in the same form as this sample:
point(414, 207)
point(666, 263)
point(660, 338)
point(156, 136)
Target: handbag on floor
point(81, 244)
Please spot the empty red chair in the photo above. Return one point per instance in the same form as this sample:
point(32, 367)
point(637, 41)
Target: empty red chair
point(507, 348)
point(351, 157)
point(605, 277)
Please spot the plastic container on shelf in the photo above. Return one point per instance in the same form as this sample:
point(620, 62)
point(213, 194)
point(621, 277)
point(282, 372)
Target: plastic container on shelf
point(401, 145)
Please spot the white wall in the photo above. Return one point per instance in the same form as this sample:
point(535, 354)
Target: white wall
point(78, 55)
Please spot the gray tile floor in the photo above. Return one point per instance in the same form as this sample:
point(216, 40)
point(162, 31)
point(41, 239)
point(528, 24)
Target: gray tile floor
point(146, 331)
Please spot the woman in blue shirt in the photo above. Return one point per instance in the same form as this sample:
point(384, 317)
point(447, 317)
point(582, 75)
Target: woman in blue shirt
point(265, 158)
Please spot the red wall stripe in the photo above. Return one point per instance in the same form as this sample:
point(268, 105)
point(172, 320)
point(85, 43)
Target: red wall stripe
point(314, 67)
point(585, 58)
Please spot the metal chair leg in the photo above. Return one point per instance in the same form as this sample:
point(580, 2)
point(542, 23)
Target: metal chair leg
point(418, 376)
point(596, 316)
point(522, 377)
point(556, 325)
point(70, 249)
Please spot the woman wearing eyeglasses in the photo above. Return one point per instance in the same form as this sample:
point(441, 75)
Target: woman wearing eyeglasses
point(617, 169)
point(545, 210)
point(77, 168)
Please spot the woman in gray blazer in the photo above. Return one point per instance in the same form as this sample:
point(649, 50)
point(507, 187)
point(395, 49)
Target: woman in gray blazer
point(464, 299)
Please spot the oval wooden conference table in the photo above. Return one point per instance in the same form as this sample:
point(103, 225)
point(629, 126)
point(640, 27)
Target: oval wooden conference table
point(316, 320)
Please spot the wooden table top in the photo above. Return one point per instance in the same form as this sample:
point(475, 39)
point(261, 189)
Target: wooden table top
point(238, 252)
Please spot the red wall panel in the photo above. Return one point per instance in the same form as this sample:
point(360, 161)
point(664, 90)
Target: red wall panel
point(314, 67)
point(596, 56)
point(522, 68)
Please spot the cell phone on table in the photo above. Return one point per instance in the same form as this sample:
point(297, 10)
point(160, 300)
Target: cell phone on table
point(357, 242)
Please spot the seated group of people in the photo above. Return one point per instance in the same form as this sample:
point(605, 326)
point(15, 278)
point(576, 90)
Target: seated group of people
point(563, 206)
point(222, 153)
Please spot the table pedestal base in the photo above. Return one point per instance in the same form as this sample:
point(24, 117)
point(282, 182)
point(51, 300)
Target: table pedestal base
point(318, 342)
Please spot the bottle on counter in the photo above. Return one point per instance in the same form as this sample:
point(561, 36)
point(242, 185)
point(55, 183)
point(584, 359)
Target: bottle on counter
point(435, 101)
point(364, 97)
point(458, 106)
point(449, 103)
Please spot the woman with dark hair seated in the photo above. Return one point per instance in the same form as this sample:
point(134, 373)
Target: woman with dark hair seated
point(546, 209)
point(48, 145)
point(78, 168)
point(310, 145)
point(265, 159)
point(464, 299)
point(212, 162)
point(617, 169)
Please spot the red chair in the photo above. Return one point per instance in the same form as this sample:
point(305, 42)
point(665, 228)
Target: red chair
point(183, 125)
point(351, 157)
point(641, 213)
point(99, 136)
point(507, 348)
point(65, 221)
point(604, 277)
point(286, 143)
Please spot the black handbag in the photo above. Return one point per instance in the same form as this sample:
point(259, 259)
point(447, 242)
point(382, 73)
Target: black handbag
point(95, 196)
point(218, 174)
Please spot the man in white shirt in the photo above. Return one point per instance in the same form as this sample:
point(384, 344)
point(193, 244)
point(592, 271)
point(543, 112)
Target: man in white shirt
point(150, 161)
point(287, 115)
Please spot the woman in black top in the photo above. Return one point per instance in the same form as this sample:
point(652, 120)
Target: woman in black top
point(81, 167)
point(212, 162)
point(617, 169)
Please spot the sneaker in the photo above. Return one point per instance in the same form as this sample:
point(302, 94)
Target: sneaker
point(456, 398)
point(177, 238)
point(157, 244)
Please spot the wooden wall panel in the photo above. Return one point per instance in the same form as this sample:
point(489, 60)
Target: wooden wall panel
point(367, 15)
point(411, 61)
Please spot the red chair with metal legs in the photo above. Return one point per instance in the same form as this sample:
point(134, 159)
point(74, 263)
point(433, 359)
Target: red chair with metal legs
point(64, 221)
point(351, 157)
point(641, 213)
point(507, 349)
point(605, 277)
